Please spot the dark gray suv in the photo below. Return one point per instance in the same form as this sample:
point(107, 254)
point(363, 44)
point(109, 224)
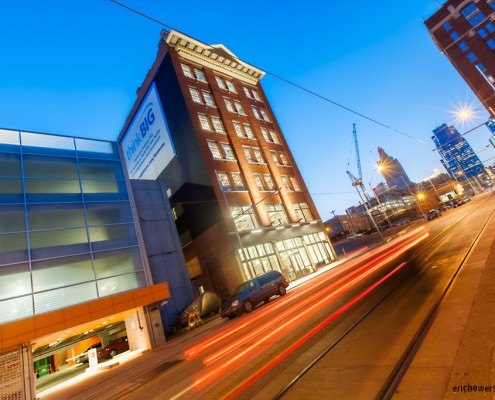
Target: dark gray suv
point(250, 293)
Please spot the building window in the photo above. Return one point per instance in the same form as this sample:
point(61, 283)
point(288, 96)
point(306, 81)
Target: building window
point(283, 158)
point(249, 131)
point(248, 92)
point(215, 151)
point(256, 95)
point(229, 154)
point(223, 178)
point(471, 57)
point(238, 181)
point(491, 43)
point(275, 157)
point(220, 83)
point(295, 183)
point(238, 107)
point(230, 86)
point(217, 125)
point(286, 183)
point(269, 181)
point(195, 95)
point(259, 182)
point(187, 70)
point(244, 217)
point(491, 3)
point(490, 27)
point(208, 99)
point(482, 32)
point(255, 112)
point(481, 67)
point(238, 129)
point(277, 214)
point(205, 124)
point(472, 14)
point(463, 46)
point(274, 137)
point(447, 26)
point(264, 114)
point(267, 138)
point(228, 104)
point(303, 212)
point(247, 153)
point(258, 155)
point(199, 75)
point(454, 35)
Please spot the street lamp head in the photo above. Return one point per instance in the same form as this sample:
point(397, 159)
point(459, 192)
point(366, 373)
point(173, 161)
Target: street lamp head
point(420, 196)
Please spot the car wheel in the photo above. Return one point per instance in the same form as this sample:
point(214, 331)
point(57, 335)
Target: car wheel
point(281, 290)
point(112, 353)
point(248, 307)
point(231, 316)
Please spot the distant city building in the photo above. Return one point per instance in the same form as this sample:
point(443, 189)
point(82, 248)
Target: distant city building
point(458, 157)
point(465, 32)
point(392, 172)
point(202, 125)
point(352, 222)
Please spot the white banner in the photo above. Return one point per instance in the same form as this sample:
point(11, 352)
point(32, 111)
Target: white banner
point(147, 144)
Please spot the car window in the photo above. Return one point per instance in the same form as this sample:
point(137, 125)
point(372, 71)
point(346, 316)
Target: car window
point(240, 289)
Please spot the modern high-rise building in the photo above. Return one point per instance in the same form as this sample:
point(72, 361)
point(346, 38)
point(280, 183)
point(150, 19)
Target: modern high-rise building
point(458, 157)
point(392, 171)
point(203, 126)
point(464, 30)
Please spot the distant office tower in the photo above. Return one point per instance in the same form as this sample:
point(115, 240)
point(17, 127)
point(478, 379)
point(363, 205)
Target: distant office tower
point(203, 125)
point(458, 157)
point(465, 32)
point(392, 172)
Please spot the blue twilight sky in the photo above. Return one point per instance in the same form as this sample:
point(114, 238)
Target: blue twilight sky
point(73, 67)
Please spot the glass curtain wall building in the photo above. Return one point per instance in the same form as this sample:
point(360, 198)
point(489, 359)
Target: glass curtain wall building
point(67, 234)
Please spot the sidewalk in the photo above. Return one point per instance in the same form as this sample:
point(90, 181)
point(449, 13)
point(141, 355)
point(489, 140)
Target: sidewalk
point(458, 351)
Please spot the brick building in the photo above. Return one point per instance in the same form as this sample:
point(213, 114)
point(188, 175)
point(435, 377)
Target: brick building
point(240, 203)
point(464, 30)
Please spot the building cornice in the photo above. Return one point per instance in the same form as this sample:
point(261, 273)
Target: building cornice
point(210, 56)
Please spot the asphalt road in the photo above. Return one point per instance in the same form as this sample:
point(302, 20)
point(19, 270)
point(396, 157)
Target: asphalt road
point(356, 319)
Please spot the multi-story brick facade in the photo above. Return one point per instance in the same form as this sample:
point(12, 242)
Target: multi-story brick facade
point(464, 30)
point(241, 204)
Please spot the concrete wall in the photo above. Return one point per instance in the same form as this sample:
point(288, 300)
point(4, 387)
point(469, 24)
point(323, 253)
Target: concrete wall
point(163, 248)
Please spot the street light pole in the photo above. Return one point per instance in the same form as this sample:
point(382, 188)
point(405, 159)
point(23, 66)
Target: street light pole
point(413, 196)
point(369, 213)
point(380, 204)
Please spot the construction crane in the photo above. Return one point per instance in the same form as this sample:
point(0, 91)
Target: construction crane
point(359, 180)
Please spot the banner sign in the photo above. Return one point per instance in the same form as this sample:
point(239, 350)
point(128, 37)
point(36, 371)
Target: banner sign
point(147, 144)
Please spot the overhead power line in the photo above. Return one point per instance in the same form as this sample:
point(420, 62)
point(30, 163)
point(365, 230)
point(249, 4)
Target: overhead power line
point(288, 82)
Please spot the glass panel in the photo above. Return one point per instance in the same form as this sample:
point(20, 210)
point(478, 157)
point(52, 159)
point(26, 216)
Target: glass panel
point(13, 248)
point(59, 242)
point(104, 213)
point(50, 167)
point(112, 236)
point(39, 143)
point(10, 164)
point(100, 169)
point(64, 297)
point(52, 190)
point(104, 190)
point(117, 262)
point(16, 280)
point(119, 284)
point(12, 218)
point(66, 271)
point(52, 216)
point(97, 149)
point(11, 190)
point(14, 309)
point(9, 141)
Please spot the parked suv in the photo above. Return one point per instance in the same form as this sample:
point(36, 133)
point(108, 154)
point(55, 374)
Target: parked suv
point(433, 214)
point(250, 293)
